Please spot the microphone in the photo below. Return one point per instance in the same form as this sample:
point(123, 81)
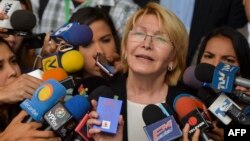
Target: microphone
point(8, 7)
point(63, 118)
point(71, 61)
point(45, 96)
point(161, 126)
point(149, 110)
point(22, 21)
point(101, 91)
point(58, 74)
point(191, 110)
point(223, 107)
point(189, 78)
point(204, 72)
point(74, 34)
point(222, 79)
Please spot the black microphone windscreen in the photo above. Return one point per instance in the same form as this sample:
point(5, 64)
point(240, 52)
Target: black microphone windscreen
point(23, 20)
point(152, 113)
point(103, 91)
point(207, 95)
point(204, 72)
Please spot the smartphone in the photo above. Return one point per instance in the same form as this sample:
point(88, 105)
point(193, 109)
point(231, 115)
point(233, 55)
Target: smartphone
point(102, 62)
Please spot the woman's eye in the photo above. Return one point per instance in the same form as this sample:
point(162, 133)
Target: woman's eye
point(230, 61)
point(106, 40)
point(207, 56)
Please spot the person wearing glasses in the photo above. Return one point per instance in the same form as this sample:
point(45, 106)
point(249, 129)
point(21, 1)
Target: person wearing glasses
point(153, 52)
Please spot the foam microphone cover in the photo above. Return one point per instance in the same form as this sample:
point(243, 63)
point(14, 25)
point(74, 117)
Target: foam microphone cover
point(77, 106)
point(185, 104)
point(56, 73)
point(81, 35)
point(74, 34)
point(204, 72)
point(72, 61)
point(103, 91)
point(150, 110)
point(23, 20)
point(189, 78)
point(207, 95)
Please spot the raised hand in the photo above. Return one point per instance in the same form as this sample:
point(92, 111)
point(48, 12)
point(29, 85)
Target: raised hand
point(96, 134)
point(21, 88)
point(17, 130)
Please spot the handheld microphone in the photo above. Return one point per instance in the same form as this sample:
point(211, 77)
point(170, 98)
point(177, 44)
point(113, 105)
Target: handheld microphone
point(8, 7)
point(71, 61)
point(45, 96)
point(222, 79)
point(60, 75)
point(159, 127)
point(74, 34)
point(223, 107)
point(191, 110)
point(22, 21)
point(189, 78)
point(63, 118)
point(101, 91)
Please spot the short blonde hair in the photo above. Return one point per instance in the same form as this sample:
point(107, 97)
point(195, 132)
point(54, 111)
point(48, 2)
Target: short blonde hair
point(174, 28)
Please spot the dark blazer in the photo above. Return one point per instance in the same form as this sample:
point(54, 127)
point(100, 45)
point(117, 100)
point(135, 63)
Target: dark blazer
point(209, 14)
point(118, 85)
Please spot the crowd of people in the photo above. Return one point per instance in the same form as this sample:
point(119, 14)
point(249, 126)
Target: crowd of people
point(149, 57)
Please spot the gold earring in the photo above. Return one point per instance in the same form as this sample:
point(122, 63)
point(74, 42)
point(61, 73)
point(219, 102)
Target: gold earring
point(170, 68)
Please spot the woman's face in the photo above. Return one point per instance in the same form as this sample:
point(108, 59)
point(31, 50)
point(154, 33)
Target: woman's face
point(149, 49)
point(102, 42)
point(219, 49)
point(9, 69)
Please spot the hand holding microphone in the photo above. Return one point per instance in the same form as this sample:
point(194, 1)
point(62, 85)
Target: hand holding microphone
point(223, 78)
point(21, 88)
point(17, 130)
point(192, 111)
point(45, 96)
point(67, 37)
point(63, 117)
point(185, 136)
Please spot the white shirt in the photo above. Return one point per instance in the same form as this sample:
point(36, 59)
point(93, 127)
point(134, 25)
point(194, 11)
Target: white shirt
point(135, 122)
